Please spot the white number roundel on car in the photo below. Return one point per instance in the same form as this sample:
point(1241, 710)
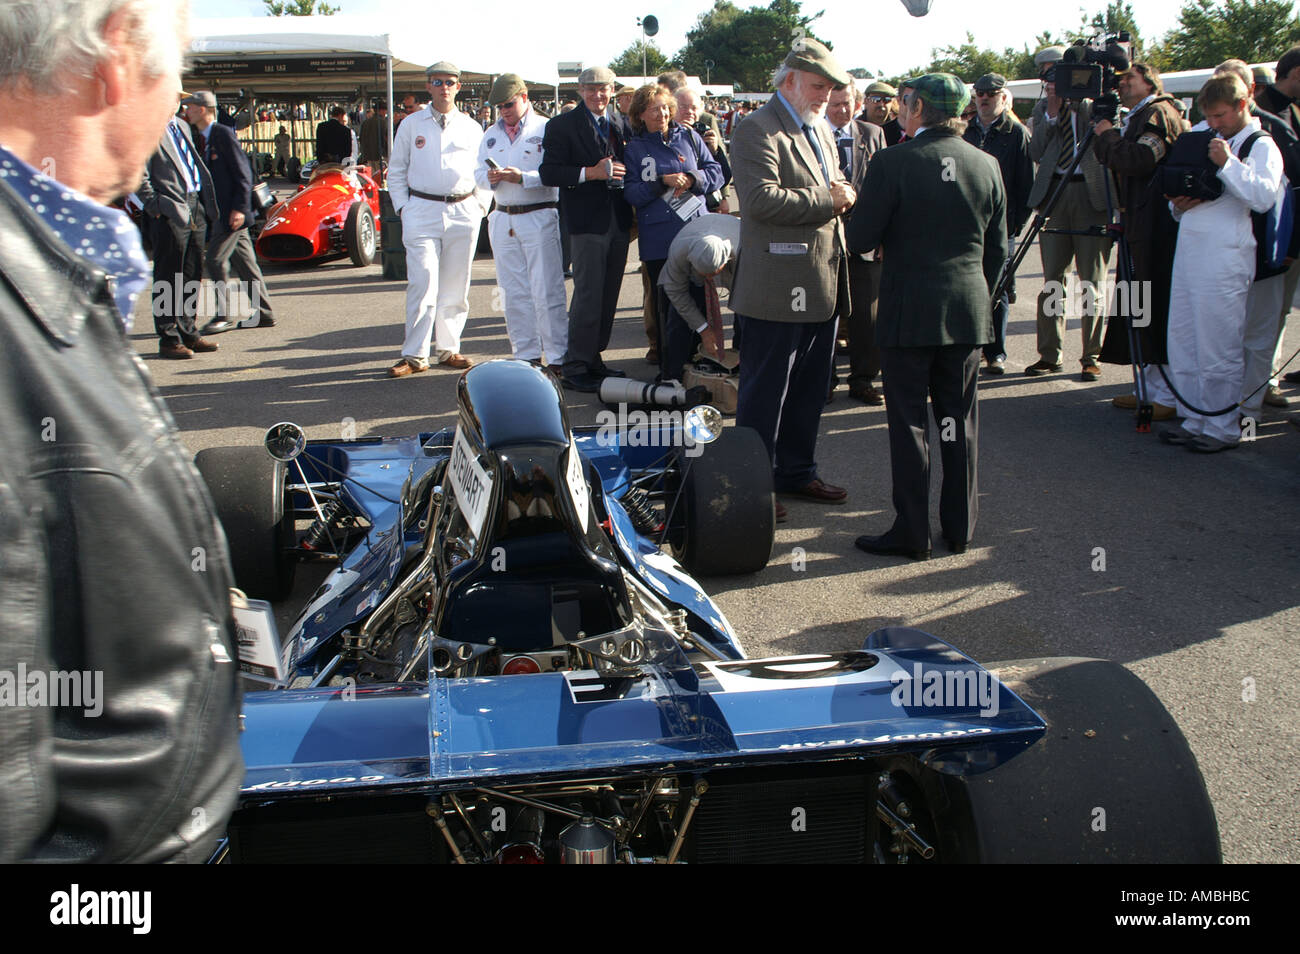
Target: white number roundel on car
point(577, 484)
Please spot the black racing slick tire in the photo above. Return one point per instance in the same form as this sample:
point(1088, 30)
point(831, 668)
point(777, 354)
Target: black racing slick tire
point(728, 517)
point(1112, 780)
point(248, 489)
point(359, 234)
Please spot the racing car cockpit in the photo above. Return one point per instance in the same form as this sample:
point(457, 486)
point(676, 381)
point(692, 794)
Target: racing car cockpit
point(523, 563)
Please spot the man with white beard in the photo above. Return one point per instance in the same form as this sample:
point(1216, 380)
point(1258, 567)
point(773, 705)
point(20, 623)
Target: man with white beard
point(792, 280)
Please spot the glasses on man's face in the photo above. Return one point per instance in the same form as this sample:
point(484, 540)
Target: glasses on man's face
point(435, 83)
point(988, 92)
point(879, 100)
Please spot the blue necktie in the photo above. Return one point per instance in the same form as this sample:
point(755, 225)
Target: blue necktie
point(817, 151)
point(187, 156)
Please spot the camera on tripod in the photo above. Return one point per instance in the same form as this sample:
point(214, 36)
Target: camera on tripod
point(1091, 70)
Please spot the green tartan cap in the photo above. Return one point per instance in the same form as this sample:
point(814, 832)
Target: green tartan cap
point(943, 91)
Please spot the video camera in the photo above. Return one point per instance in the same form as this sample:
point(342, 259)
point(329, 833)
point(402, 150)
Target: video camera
point(1091, 70)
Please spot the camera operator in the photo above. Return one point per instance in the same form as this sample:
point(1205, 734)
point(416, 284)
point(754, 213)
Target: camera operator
point(1134, 151)
point(1057, 127)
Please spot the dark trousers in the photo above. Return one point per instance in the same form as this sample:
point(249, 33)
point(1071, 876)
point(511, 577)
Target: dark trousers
point(177, 272)
point(784, 378)
point(233, 251)
point(864, 354)
point(677, 341)
point(598, 263)
point(947, 376)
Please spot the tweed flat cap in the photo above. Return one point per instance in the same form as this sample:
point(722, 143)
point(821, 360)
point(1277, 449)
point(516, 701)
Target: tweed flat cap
point(813, 57)
point(442, 66)
point(505, 88)
point(879, 89)
point(990, 83)
point(1264, 74)
point(203, 97)
point(597, 76)
point(1048, 54)
point(943, 91)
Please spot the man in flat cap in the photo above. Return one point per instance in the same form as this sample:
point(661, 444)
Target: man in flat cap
point(524, 227)
point(229, 244)
point(431, 181)
point(582, 155)
point(879, 106)
point(934, 305)
point(998, 133)
point(1057, 128)
point(792, 279)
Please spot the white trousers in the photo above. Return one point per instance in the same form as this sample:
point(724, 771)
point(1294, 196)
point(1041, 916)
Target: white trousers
point(530, 272)
point(1260, 340)
point(1213, 268)
point(439, 242)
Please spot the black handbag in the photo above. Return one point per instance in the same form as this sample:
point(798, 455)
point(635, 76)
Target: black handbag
point(1188, 170)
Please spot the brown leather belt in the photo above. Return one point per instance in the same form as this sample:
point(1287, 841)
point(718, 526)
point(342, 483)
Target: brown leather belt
point(521, 209)
point(449, 199)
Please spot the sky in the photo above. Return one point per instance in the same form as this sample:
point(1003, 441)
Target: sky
point(878, 35)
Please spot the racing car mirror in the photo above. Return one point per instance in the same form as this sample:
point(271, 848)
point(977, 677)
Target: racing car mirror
point(284, 441)
point(703, 424)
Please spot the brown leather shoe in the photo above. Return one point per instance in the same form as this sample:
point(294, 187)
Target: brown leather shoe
point(203, 346)
point(407, 366)
point(173, 349)
point(868, 394)
point(457, 362)
point(819, 492)
point(1125, 402)
point(1162, 412)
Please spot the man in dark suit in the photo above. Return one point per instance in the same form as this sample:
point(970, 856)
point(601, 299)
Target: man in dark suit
point(229, 243)
point(856, 141)
point(177, 194)
point(995, 130)
point(582, 155)
point(944, 249)
point(374, 138)
point(333, 137)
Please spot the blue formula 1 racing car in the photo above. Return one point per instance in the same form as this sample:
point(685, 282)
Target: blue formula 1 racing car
point(511, 661)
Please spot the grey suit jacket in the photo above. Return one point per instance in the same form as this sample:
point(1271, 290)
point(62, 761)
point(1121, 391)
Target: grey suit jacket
point(792, 264)
point(938, 208)
point(868, 139)
point(1045, 148)
point(162, 193)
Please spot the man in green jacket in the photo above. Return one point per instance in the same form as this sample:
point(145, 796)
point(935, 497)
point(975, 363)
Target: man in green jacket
point(944, 247)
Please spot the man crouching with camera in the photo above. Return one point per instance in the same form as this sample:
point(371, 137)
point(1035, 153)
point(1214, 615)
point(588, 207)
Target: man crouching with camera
point(1214, 265)
point(1134, 151)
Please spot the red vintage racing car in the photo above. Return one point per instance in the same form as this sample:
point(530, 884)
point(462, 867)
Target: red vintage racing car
point(334, 214)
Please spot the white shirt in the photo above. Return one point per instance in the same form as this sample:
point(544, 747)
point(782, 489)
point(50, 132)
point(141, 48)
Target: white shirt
point(525, 154)
point(429, 158)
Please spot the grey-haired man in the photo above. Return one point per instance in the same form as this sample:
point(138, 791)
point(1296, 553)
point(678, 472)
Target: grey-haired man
point(116, 574)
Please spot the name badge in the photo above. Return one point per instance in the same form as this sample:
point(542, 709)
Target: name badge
point(787, 248)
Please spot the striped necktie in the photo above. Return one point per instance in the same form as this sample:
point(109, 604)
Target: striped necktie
point(1066, 122)
point(187, 156)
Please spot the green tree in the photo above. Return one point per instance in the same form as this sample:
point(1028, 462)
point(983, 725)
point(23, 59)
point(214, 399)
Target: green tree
point(628, 63)
point(969, 62)
point(745, 45)
point(1206, 35)
point(299, 8)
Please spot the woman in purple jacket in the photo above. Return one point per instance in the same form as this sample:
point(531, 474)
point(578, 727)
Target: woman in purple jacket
point(669, 172)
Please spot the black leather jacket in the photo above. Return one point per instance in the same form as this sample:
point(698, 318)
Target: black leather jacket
point(110, 560)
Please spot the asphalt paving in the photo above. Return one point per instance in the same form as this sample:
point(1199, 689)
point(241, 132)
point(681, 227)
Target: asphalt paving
point(1093, 539)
